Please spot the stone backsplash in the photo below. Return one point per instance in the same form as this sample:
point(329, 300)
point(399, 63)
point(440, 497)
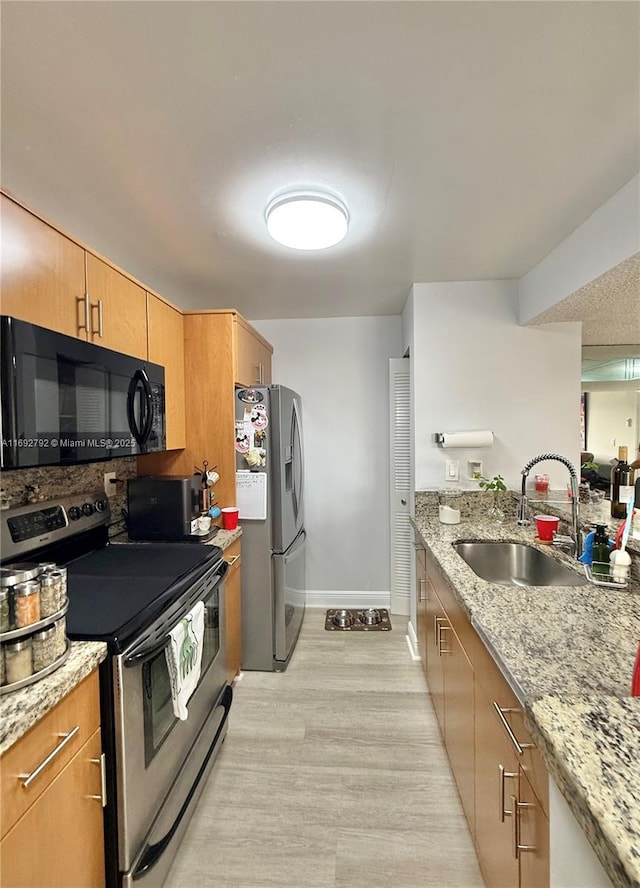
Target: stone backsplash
point(55, 481)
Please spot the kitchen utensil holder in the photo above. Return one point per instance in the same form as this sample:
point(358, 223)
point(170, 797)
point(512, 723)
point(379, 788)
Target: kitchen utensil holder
point(597, 581)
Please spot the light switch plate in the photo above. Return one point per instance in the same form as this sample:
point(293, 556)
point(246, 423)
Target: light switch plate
point(452, 470)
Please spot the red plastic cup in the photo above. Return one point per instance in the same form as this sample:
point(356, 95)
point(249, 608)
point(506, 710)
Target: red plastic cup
point(230, 517)
point(547, 525)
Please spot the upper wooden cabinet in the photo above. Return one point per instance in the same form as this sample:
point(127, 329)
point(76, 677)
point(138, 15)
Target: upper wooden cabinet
point(165, 332)
point(118, 309)
point(252, 358)
point(42, 278)
point(211, 340)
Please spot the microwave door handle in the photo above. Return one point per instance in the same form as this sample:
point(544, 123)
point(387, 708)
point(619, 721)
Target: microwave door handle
point(140, 432)
point(148, 396)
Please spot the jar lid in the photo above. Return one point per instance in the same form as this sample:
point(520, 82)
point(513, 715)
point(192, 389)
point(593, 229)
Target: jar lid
point(50, 579)
point(47, 565)
point(19, 573)
point(18, 645)
point(29, 588)
point(43, 634)
point(450, 491)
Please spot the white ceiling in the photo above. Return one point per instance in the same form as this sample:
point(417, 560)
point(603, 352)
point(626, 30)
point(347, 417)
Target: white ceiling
point(467, 138)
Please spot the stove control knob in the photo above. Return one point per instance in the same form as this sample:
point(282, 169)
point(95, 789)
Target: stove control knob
point(74, 513)
point(101, 505)
point(88, 509)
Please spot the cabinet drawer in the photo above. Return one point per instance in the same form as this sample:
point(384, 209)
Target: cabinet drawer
point(499, 693)
point(59, 842)
point(80, 709)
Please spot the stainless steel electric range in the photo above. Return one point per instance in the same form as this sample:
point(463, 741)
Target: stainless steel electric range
point(130, 596)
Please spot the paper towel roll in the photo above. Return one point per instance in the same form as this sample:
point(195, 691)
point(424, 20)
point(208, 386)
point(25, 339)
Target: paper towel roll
point(466, 439)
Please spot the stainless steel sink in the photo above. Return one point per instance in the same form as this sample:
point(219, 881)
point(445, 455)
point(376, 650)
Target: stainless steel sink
point(516, 564)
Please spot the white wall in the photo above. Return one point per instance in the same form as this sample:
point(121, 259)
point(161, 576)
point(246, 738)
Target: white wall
point(608, 237)
point(340, 367)
point(474, 367)
point(612, 421)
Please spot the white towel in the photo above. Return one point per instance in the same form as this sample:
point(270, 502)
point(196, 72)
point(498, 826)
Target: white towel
point(184, 658)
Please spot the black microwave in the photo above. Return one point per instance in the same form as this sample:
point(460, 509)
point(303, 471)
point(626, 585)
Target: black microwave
point(66, 401)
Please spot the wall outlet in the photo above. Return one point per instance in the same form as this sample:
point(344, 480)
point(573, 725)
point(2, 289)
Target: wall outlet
point(109, 488)
point(452, 470)
point(474, 469)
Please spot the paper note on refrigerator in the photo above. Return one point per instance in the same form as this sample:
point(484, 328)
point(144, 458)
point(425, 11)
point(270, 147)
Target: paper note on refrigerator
point(251, 495)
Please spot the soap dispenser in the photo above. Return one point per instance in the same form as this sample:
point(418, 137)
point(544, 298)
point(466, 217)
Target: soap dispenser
point(601, 551)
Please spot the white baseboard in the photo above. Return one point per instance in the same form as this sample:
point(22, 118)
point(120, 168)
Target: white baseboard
point(412, 641)
point(325, 598)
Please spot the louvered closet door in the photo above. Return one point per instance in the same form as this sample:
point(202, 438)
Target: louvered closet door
point(400, 475)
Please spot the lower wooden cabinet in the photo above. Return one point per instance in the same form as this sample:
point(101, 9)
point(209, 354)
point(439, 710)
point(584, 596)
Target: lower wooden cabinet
point(59, 842)
point(233, 610)
point(501, 779)
point(421, 602)
point(52, 828)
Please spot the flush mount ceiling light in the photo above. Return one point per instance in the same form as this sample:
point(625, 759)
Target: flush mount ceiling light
point(307, 220)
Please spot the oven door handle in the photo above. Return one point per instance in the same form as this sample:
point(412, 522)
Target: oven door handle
point(152, 853)
point(149, 653)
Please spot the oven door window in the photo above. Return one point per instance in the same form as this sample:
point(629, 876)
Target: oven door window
point(159, 719)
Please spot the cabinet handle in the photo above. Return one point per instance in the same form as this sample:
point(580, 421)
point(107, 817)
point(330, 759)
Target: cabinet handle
point(98, 305)
point(503, 812)
point(27, 779)
point(519, 747)
point(421, 596)
point(442, 628)
point(102, 798)
point(436, 630)
point(515, 829)
point(232, 560)
point(87, 313)
point(259, 373)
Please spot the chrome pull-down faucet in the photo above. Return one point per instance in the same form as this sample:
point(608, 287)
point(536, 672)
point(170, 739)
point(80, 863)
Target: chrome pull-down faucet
point(576, 536)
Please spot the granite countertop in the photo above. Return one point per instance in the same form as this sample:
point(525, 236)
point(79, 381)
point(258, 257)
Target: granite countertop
point(568, 653)
point(20, 710)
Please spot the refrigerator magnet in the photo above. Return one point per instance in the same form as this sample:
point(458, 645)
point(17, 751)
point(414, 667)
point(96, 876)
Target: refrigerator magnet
point(250, 396)
point(259, 418)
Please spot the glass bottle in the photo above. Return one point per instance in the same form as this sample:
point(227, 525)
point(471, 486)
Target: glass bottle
point(601, 548)
point(18, 662)
point(621, 486)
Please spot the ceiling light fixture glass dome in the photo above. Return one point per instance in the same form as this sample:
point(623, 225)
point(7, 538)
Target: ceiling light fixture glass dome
point(307, 220)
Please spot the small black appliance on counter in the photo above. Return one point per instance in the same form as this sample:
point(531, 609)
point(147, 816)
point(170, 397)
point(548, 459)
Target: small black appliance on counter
point(165, 507)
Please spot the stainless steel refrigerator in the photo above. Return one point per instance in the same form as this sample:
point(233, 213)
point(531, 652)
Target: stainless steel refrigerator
point(270, 496)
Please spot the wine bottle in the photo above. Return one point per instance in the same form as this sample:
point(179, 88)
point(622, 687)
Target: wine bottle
point(620, 485)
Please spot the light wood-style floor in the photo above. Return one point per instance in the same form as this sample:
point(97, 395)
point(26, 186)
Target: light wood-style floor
point(333, 775)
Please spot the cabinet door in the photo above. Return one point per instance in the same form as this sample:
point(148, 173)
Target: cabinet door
point(253, 356)
point(233, 611)
point(166, 347)
point(533, 838)
point(59, 842)
point(435, 667)
point(459, 717)
point(421, 603)
point(118, 309)
point(41, 273)
point(496, 780)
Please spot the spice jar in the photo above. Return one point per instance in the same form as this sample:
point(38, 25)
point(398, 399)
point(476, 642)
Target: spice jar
point(44, 648)
point(62, 573)
point(50, 593)
point(10, 577)
point(18, 663)
point(26, 603)
point(60, 627)
point(4, 610)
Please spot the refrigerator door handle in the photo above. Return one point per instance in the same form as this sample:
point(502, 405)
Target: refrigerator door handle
point(296, 446)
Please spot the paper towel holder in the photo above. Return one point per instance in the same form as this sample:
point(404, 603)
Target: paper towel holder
point(468, 439)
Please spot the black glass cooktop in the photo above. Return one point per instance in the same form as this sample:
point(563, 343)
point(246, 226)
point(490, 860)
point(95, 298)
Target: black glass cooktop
point(114, 592)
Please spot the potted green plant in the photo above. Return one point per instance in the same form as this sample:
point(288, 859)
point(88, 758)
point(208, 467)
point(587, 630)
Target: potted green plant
point(497, 487)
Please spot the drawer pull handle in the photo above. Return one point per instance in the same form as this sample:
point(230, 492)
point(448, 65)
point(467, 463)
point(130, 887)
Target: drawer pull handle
point(503, 774)
point(232, 560)
point(27, 779)
point(519, 747)
point(102, 798)
point(87, 321)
